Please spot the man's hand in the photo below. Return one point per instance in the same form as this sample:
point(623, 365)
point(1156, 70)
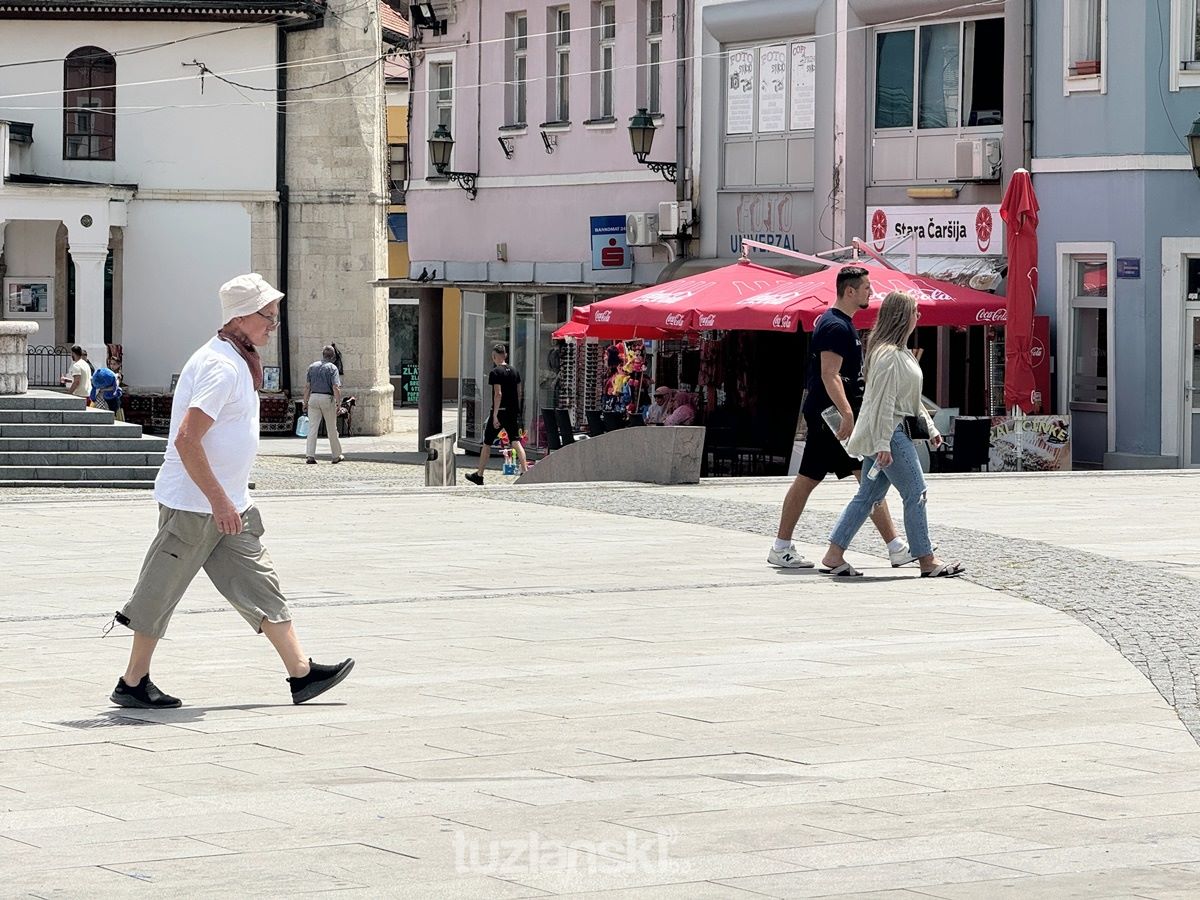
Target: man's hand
point(936, 441)
point(883, 459)
point(847, 426)
point(226, 516)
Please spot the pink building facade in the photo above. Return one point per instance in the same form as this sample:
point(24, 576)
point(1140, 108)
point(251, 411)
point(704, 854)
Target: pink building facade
point(537, 98)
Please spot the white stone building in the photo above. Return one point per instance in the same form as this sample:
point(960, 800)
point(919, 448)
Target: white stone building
point(146, 157)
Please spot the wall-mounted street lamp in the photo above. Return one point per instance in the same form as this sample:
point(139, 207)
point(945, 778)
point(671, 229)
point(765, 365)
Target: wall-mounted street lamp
point(441, 144)
point(641, 137)
point(1194, 145)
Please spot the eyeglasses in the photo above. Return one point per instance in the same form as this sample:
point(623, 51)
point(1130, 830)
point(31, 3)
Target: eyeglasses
point(274, 320)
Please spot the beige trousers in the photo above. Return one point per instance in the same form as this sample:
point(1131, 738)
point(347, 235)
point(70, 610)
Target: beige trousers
point(321, 406)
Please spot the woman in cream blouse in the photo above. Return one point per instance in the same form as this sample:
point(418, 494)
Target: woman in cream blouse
point(893, 392)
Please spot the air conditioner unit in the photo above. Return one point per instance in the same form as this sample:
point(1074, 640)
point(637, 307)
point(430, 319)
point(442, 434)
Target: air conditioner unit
point(641, 229)
point(976, 159)
point(674, 217)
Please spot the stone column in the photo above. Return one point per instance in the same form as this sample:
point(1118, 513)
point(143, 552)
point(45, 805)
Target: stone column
point(14, 356)
point(89, 262)
point(429, 359)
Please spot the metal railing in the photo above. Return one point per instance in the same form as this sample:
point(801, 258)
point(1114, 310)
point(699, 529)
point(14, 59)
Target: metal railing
point(46, 365)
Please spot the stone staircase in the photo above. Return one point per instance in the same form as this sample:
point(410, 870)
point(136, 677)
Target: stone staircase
point(50, 439)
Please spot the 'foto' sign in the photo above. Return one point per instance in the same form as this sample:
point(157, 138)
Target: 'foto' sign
point(941, 230)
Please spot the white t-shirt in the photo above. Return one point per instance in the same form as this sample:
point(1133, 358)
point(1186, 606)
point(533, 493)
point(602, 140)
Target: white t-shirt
point(83, 371)
point(216, 381)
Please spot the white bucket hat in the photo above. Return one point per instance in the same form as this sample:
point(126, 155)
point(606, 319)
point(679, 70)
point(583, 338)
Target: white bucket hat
point(245, 295)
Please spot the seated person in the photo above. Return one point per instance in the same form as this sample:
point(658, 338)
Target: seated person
point(681, 411)
point(657, 413)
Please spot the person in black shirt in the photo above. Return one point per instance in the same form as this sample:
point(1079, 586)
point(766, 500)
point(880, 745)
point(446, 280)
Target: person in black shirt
point(506, 412)
point(834, 378)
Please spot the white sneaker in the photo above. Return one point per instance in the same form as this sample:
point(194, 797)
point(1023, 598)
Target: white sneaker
point(788, 559)
point(902, 557)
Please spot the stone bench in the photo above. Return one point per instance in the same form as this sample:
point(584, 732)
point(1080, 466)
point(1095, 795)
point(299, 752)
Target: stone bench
point(648, 453)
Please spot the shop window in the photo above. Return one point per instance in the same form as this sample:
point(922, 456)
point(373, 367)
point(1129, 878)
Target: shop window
point(1089, 325)
point(560, 64)
point(517, 81)
point(89, 105)
point(953, 70)
point(398, 227)
point(1085, 42)
point(1185, 41)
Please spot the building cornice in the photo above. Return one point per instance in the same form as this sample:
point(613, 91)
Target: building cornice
point(284, 11)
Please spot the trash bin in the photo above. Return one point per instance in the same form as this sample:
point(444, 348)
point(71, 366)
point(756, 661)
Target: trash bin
point(439, 464)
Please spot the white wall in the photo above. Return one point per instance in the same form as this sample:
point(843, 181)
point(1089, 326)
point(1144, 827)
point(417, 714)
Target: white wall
point(176, 257)
point(206, 145)
point(29, 253)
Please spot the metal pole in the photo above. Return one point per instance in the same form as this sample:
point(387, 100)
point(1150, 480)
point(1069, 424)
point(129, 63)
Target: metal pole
point(429, 364)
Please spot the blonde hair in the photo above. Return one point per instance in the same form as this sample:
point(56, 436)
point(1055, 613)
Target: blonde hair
point(893, 325)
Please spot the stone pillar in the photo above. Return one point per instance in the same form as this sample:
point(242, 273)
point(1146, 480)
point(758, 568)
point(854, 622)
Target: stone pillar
point(89, 260)
point(14, 356)
point(429, 360)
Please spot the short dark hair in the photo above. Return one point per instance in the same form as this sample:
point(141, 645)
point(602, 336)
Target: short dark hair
point(77, 350)
point(848, 274)
point(328, 353)
point(500, 349)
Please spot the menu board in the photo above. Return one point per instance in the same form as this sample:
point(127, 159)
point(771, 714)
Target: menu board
point(804, 85)
point(772, 88)
point(739, 98)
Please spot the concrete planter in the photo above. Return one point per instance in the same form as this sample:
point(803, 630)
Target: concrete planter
point(14, 356)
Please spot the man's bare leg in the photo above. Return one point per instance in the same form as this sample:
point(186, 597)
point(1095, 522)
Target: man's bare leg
point(139, 658)
point(793, 505)
point(283, 638)
point(524, 463)
point(484, 453)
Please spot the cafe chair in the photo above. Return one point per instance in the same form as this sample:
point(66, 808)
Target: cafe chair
point(613, 420)
point(566, 431)
point(595, 422)
point(550, 425)
point(968, 449)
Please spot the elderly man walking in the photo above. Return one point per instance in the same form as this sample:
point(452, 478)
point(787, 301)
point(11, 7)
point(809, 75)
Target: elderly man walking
point(322, 397)
point(206, 518)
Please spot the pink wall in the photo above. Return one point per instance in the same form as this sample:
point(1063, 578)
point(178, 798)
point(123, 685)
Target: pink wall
point(538, 203)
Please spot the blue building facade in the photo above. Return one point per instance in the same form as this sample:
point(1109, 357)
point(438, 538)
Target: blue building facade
point(1116, 89)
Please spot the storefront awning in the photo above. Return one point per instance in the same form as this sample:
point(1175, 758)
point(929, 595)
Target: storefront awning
point(982, 273)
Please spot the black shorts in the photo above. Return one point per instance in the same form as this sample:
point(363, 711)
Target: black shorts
point(509, 422)
point(823, 454)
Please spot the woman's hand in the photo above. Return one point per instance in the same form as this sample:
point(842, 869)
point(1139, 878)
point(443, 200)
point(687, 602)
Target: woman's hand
point(883, 459)
point(936, 441)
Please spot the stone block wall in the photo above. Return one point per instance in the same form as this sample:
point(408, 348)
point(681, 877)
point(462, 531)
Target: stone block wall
point(337, 221)
point(14, 356)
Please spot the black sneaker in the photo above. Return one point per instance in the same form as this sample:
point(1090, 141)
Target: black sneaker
point(474, 478)
point(319, 679)
point(145, 696)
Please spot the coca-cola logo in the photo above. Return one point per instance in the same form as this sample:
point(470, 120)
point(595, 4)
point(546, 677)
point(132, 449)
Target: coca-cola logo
point(708, 321)
point(1037, 352)
point(602, 315)
point(675, 320)
point(992, 315)
point(782, 321)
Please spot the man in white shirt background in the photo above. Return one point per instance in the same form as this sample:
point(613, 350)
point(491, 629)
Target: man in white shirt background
point(206, 518)
point(78, 379)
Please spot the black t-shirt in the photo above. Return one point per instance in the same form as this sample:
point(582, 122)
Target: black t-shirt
point(508, 378)
point(835, 333)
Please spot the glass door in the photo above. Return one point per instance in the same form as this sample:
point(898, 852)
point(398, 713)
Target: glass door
point(472, 374)
point(1191, 390)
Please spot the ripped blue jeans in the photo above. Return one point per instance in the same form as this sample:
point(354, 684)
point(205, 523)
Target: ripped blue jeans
point(905, 474)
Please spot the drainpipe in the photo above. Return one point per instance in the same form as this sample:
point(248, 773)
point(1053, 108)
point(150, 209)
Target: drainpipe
point(681, 109)
point(1027, 96)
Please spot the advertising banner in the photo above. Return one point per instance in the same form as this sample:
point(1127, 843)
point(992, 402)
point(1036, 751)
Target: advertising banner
point(1031, 444)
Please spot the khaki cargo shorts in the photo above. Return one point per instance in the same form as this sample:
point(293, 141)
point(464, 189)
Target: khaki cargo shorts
point(237, 565)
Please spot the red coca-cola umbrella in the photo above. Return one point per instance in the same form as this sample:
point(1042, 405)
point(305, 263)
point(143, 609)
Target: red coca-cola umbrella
point(581, 327)
point(673, 306)
point(799, 302)
point(1020, 212)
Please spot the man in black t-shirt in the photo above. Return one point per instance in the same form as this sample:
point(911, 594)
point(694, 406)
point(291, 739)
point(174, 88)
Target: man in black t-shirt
point(505, 382)
point(833, 378)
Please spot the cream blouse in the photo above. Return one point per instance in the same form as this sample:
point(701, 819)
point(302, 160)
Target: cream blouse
point(893, 392)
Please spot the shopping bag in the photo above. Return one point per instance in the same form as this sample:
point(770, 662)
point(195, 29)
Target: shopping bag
point(302, 426)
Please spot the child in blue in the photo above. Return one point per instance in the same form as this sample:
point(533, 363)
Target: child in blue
point(106, 391)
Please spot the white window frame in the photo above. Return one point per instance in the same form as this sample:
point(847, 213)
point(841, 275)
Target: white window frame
point(1067, 254)
point(561, 64)
point(606, 45)
point(1073, 84)
point(1183, 45)
point(433, 104)
point(654, 43)
point(1175, 310)
point(517, 111)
